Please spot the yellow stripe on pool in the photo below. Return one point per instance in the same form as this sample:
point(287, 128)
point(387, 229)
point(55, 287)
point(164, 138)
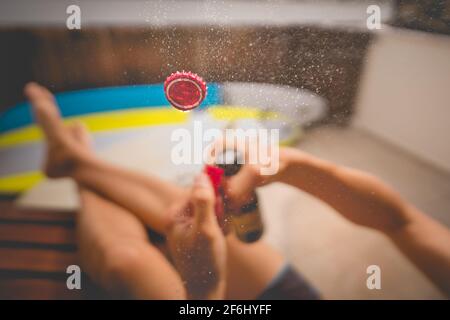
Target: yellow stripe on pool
point(236, 112)
point(102, 122)
point(17, 183)
point(133, 118)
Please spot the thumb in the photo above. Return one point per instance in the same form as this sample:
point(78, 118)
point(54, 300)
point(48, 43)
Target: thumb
point(203, 199)
point(239, 188)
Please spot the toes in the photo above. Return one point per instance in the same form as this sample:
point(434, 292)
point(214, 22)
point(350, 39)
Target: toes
point(40, 96)
point(44, 108)
point(31, 88)
point(41, 99)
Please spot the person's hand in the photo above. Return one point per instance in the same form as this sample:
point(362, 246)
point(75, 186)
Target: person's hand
point(196, 243)
point(240, 187)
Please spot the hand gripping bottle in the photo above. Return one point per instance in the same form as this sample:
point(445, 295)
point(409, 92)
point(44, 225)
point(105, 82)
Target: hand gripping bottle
point(246, 220)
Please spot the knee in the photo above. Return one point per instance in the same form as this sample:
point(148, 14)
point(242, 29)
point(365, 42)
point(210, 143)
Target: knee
point(119, 263)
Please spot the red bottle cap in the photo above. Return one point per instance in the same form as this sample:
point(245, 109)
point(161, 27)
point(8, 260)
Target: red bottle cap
point(215, 175)
point(185, 90)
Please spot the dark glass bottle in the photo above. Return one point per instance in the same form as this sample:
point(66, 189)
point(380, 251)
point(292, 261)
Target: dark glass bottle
point(246, 221)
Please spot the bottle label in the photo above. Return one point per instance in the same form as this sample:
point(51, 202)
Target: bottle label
point(248, 222)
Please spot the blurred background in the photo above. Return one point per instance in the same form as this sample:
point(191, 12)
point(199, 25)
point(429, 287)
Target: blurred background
point(374, 99)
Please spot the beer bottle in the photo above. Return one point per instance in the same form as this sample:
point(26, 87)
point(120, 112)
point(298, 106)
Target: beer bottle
point(246, 220)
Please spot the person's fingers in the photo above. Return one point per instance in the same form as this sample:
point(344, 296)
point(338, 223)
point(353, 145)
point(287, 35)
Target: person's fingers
point(217, 150)
point(177, 214)
point(203, 200)
point(239, 188)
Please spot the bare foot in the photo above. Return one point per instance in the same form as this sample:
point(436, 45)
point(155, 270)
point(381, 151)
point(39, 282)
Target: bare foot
point(67, 146)
point(81, 134)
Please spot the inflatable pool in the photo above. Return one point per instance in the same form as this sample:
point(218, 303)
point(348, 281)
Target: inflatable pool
point(116, 114)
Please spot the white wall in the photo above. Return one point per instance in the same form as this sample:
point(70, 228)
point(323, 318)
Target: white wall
point(405, 93)
point(192, 12)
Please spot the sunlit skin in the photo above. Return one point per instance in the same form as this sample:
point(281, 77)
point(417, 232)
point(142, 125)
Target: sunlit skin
point(364, 200)
point(117, 206)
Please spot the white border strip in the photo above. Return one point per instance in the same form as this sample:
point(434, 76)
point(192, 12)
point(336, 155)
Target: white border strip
point(190, 12)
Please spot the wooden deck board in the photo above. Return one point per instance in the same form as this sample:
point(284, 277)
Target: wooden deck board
point(34, 233)
point(37, 289)
point(36, 259)
point(36, 247)
point(10, 212)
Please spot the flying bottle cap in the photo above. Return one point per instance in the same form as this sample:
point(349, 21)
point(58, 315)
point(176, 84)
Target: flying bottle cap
point(185, 90)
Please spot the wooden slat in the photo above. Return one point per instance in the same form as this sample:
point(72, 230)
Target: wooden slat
point(36, 246)
point(36, 260)
point(37, 289)
point(31, 233)
point(10, 212)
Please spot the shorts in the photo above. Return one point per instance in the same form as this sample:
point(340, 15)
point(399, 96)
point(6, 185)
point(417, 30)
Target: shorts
point(288, 284)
